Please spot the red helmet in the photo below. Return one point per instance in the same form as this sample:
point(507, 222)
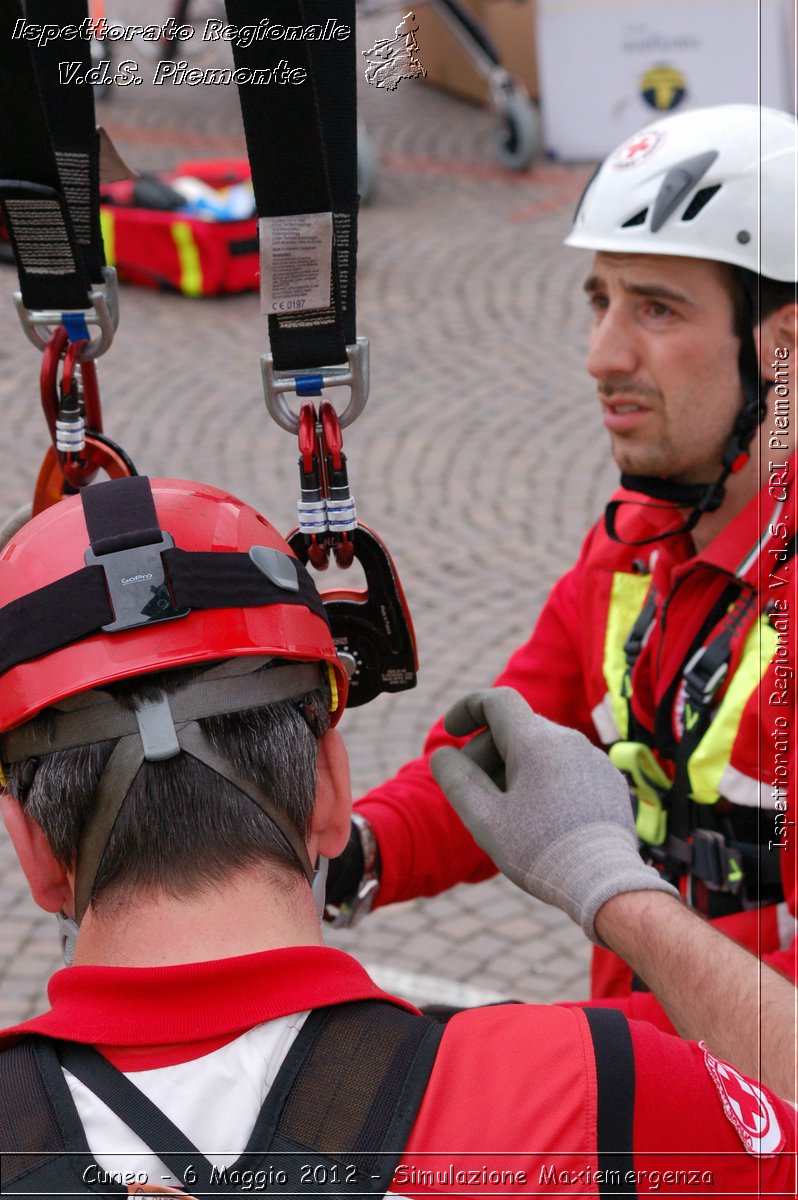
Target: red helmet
point(209, 606)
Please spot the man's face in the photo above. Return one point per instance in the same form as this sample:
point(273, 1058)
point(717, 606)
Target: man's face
point(664, 353)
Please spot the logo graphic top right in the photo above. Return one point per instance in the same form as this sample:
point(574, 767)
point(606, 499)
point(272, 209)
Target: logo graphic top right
point(390, 60)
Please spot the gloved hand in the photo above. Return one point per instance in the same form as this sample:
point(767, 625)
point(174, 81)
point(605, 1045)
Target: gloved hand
point(550, 809)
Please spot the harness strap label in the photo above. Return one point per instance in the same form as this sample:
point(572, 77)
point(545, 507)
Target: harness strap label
point(296, 262)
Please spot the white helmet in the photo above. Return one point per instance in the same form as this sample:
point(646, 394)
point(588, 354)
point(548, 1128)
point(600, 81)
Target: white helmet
point(715, 183)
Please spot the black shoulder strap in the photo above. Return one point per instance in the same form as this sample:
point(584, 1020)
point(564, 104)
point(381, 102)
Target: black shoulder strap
point(615, 1080)
point(354, 1098)
point(336, 1119)
point(43, 1148)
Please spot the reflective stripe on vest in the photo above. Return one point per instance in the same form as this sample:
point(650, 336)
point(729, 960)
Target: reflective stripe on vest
point(711, 756)
point(709, 764)
point(627, 597)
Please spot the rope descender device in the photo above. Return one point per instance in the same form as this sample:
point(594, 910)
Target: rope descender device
point(302, 146)
point(372, 627)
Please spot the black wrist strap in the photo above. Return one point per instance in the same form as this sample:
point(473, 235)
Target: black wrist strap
point(302, 145)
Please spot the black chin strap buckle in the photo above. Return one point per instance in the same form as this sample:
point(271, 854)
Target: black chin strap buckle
point(137, 585)
point(713, 496)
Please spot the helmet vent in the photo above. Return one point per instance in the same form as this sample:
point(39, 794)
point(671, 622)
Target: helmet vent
point(677, 186)
point(637, 219)
point(699, 201)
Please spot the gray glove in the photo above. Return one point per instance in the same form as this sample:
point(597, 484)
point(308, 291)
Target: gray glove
point(550, 809)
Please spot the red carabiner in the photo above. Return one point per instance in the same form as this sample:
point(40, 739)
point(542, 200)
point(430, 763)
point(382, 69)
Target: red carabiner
point(79, 469)
point(88, 377)
point(75, 470)
point(311, 466)
point(48, 376)
point(307, 437)
point(331, 434)
point(336, 477)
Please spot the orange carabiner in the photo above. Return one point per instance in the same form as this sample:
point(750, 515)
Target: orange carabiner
point(100, 454)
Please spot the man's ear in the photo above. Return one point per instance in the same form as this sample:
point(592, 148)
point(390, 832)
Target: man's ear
point(47, 879)
point(333, 809)
point(779, 332)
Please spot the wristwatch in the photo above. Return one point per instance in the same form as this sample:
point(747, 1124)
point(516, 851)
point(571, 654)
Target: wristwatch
point(355, 907)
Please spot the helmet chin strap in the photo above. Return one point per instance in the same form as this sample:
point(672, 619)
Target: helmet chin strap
point(702, 498)
point(319, 885)
point(68, 930)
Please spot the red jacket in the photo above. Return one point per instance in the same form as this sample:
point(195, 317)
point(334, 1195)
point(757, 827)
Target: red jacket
point(531, 1091)
point(571, 671)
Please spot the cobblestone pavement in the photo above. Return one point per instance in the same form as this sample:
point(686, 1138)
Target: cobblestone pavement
point(480, 460)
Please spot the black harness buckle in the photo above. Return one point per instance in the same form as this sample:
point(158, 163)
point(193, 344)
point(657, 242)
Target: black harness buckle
point(137, 584)
point(704, 674)
point(714, 862)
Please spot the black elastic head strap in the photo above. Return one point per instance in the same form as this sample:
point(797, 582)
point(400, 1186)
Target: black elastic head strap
point(135, 576)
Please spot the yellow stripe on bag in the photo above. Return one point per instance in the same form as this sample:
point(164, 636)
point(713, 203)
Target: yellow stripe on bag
point(189, 259)
point(108, 235)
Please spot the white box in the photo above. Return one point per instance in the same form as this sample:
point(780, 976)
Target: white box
point(608, 67)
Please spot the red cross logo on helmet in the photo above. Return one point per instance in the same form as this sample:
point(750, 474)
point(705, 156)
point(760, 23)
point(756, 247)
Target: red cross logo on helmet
point(638, 148)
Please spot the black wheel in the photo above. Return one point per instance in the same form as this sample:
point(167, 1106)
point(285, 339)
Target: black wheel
point(518, 135)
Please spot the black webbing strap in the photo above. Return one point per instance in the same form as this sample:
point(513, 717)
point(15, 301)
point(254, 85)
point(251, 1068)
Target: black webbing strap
point(43, 1148)
point(615, 1079)
point(78, 606)
point(70, 116)
point(51, 270)
point(702, 682)
point(121, 515)
point(136, 1111)
point(302, 145)
point(632, 649)
point(356, 1095)
point(54, 616)
point(335, 1120)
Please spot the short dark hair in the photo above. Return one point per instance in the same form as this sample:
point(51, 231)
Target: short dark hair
point(182, 826)
point(756, 297)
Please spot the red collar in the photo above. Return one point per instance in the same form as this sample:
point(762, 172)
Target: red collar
point(738, 547)
point(144, 1017)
